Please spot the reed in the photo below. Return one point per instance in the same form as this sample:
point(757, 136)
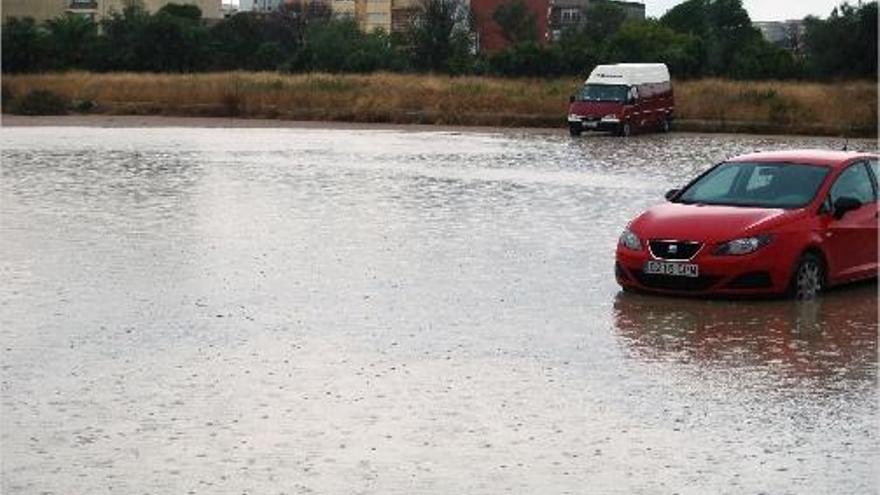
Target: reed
point(712, 104)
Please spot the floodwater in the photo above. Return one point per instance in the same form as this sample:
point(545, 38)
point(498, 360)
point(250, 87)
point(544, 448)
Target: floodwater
point(268, 311)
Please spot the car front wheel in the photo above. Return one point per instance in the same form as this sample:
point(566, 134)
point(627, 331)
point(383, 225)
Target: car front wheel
point(808, 278)
point(575, 130)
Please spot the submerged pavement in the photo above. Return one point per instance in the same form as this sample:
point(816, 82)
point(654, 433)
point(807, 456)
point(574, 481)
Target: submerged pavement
point(379, 311)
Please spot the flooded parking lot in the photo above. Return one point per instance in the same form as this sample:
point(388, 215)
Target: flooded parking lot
point(268, 311)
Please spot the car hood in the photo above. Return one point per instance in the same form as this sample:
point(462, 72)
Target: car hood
point(706, 223)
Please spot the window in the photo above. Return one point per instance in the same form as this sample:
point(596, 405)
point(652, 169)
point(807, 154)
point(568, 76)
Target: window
point(854, 182)
point(570, 16)
point(717, 184)
point(763, 185)
point(873, 165)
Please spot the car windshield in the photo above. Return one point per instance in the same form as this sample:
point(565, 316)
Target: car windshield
point(763, 185)
point(603, 92)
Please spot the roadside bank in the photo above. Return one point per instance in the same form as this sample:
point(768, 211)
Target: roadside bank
point(833, 109)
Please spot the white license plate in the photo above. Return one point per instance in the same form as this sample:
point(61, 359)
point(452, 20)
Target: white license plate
point(672, 269)
point(591, 124)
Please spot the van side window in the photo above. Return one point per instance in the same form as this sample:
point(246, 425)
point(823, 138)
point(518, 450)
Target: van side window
point(854, 182)
point(876, 170)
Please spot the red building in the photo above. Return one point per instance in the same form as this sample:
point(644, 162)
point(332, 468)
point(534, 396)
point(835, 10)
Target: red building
point(490, 36)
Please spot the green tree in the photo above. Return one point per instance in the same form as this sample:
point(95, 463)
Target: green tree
point(234, 42)
point(71, 38)
point(168, 43)
point(184, 11)
point(25, 46)
point(844, 45)
point(527, 59)
point(117, 48)
point(723, 26)
point(518, 23)
point(584, 46)
point(761, 60)
point(441, 35)
point(651, 41)
point(603, 20)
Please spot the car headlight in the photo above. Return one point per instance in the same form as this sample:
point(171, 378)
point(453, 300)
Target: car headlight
point(610, 116)
point(746, 245)
point(630, 240)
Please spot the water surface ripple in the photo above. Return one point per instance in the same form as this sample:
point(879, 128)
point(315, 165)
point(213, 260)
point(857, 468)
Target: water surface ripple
point(268, 311)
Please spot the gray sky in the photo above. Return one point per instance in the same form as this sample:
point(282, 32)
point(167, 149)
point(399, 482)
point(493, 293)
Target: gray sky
point(763, 10)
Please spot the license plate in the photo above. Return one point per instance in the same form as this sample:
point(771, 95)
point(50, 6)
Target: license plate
point(672, 269)
point(591, 124)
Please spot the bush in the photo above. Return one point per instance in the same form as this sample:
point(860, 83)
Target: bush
point(7, 97)
point(40, 102)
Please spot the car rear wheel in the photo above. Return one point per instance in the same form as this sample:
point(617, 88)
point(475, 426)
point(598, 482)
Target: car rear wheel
point(808, 278)
point(667, 124)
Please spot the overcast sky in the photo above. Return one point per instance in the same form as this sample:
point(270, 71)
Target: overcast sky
point(763, 10)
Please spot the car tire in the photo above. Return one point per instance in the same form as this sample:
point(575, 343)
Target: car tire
point(575, 130)
point(625, 130)
point(808, 278)
point(666, 124)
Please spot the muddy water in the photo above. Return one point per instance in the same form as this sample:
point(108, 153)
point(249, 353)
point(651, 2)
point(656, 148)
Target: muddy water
point(323, 311)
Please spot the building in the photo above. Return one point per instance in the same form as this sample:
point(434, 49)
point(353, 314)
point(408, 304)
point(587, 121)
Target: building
point(489, 34)
point(553, 17)
point(42, 10)
point(785, 34)
point(402, 14)
point(264, 5)
point(566, 14)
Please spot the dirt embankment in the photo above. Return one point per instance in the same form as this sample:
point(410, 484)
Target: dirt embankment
point(838, 109)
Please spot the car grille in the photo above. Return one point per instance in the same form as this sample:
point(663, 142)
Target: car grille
point(674, 250)
point(669, 282)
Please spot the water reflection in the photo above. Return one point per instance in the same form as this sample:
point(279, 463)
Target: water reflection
point(832, 338)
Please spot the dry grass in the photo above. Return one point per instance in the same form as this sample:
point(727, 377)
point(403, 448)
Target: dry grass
point(832, 108)
point(399, 98)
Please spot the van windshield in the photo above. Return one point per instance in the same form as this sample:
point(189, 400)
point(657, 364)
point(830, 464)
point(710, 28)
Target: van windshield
point(763, 185)
point(603, 92)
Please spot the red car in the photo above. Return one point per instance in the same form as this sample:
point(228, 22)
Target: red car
point(789, 222)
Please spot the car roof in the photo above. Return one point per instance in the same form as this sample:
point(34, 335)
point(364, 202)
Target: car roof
point(827, 158)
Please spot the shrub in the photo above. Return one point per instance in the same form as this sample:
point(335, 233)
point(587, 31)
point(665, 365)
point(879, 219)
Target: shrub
point(7, 97)
point(40, 102)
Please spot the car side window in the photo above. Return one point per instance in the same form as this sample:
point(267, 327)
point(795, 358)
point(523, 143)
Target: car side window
point(854, 182)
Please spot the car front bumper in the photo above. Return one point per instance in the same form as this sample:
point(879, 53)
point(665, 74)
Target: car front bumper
point(762, 273)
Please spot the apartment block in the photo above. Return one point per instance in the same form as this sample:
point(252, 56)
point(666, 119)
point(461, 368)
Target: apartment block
point(553, 17)
point(42, 10)
point(572, 13)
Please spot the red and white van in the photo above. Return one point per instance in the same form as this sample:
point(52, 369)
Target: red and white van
point(623, 98)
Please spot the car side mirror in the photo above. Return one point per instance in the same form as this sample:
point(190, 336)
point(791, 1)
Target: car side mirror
point(672, 193)
point(571, 99)
point(844, 205)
